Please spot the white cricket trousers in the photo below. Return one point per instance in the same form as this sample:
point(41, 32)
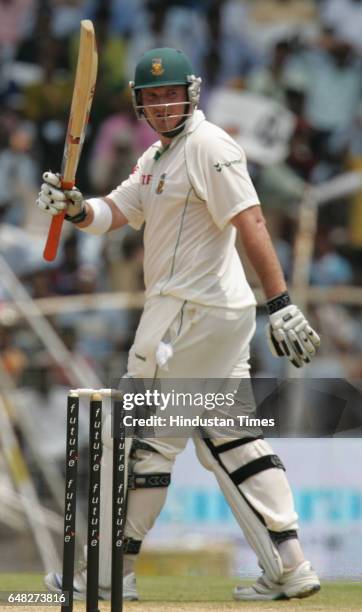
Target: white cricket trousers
point(207, 342)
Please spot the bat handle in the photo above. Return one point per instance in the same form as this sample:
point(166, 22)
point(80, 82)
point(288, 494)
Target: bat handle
point(55, 230)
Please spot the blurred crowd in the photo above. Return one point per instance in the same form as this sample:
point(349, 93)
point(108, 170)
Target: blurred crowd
point(303, 54)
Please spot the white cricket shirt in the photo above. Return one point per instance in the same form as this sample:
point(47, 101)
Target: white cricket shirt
point(186, 197)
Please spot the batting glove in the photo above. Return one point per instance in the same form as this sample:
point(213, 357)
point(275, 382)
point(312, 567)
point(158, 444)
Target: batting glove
point(289, 333)
point(53, 199)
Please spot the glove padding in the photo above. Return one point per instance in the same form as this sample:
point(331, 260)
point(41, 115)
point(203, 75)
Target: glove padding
point(290, 335)
point(53, 200)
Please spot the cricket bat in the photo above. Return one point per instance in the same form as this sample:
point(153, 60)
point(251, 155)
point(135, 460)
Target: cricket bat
point(83, 92)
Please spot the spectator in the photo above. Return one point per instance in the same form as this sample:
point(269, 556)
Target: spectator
point(66, 17)
point(18, 175)
point(331, 79)
point(46, 102)
point(13, 358)
point(15, 16)
point(170, 25)
point(270, 80)
point(40, 283)
point(329, 268)
point(67, 274)
point(111, 51)
point(118, 143)
point(8, 120)
point(41, 41)
point(233, 53)
point(268, 21)
point(126, 18)
point(345, 18)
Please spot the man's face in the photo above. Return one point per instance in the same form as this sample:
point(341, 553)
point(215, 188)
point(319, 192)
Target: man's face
point(165, 106)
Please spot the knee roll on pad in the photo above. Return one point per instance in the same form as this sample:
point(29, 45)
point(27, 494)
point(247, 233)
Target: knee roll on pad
point(148, 467)
point(146, 459)
point(138, 445)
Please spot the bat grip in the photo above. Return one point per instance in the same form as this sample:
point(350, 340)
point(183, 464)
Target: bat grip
point(55, 230)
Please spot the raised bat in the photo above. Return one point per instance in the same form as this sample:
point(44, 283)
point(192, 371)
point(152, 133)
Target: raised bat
point(83, 92)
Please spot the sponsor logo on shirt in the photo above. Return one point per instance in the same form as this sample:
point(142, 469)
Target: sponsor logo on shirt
point(161, 183)
point(219, 166)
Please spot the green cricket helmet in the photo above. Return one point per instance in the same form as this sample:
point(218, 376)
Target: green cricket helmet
point(161, 67)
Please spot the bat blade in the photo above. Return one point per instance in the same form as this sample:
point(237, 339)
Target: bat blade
point(83, 92)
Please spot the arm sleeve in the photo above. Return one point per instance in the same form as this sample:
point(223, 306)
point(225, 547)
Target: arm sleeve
point(219, 175)
point(127, 198)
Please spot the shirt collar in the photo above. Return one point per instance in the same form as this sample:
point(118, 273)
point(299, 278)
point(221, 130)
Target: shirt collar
point(191, 124)
point(194, 121)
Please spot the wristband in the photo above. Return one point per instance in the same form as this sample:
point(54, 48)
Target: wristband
point(102, 217)
point(278, 302)
point(77, 218)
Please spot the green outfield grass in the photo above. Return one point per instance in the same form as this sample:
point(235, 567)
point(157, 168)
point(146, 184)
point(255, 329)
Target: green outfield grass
point(176, 594)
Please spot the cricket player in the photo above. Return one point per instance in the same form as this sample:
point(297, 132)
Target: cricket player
point(192, 192)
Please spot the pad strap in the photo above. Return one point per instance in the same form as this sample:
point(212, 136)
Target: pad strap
point(254, 467)
point(141, 445)
point(148, 481)
point(281, 536)
point(223, 448)
point(131, 546)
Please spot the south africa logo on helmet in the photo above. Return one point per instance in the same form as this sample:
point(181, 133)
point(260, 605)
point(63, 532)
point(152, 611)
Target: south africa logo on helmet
point(162, 66)
point(157, 68)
